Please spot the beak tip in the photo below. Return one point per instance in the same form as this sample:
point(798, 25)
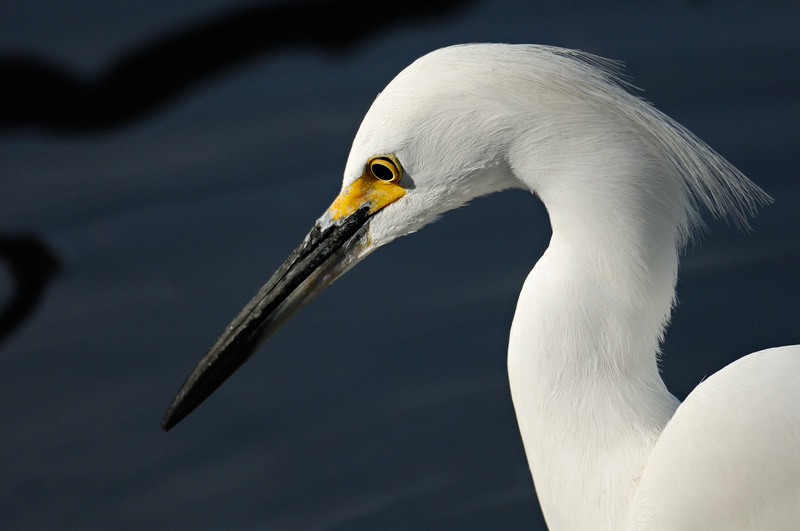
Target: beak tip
point(171, 418)
point(166, 423)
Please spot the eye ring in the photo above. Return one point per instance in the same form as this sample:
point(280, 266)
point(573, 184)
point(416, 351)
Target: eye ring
point(385, 168)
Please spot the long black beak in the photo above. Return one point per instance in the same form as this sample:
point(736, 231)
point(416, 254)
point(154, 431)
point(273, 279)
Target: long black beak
point(330, 249)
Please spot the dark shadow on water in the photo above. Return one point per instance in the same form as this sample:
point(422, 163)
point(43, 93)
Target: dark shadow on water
point(43, 94)
point(32, 265)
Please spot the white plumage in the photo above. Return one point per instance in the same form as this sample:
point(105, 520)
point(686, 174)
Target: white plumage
point(622, 184)
point(608, 446)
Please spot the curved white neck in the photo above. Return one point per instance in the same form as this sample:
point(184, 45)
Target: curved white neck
point(583, 347)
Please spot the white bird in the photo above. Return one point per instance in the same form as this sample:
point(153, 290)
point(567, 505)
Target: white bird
point(608, 446)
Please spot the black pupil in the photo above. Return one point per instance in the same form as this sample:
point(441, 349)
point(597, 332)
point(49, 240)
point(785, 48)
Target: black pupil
point(382, 172)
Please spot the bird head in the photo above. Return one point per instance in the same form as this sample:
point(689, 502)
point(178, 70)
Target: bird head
point(438, 137)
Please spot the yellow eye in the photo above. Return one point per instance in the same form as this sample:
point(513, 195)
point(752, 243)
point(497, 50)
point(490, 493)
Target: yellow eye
point(385, 168)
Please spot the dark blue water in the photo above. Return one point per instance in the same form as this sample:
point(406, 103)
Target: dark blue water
point(373, 408)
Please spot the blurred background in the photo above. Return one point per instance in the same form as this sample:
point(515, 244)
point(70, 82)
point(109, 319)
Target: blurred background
point(159, 160)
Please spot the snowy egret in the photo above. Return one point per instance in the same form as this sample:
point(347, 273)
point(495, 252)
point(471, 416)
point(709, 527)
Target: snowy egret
point(608, 446)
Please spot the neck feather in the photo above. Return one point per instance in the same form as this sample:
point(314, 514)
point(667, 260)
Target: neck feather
point(585, 339)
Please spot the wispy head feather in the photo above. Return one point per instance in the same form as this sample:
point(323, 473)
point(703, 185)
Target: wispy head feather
point(713, 182)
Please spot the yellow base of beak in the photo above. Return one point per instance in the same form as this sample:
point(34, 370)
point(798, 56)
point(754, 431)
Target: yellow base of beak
point(365, 191)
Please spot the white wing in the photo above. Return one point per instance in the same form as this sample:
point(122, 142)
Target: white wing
point(730, 457)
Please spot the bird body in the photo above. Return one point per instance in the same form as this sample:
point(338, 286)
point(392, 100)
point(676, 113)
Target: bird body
point(728, 458)
point(608, 446)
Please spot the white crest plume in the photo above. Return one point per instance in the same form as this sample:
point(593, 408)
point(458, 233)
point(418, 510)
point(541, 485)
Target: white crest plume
point(713, 181)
